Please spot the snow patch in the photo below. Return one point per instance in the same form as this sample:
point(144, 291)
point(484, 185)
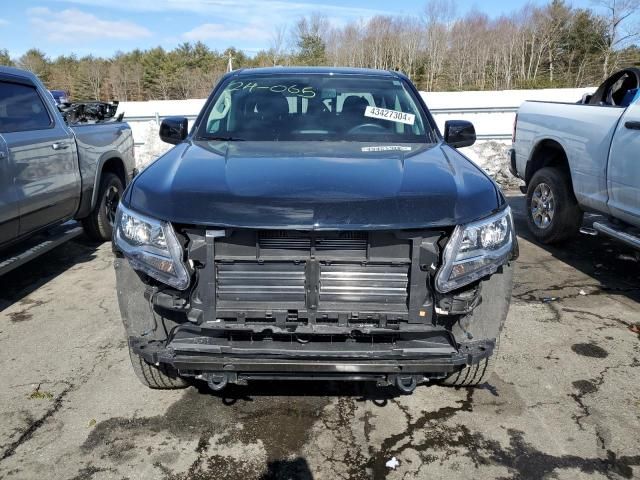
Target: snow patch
point(148, 135)
point(493, 158)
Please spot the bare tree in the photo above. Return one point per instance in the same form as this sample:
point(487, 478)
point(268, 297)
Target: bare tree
point(278, 44)
point(619, 33)
point(438, 17)
point(94, 74)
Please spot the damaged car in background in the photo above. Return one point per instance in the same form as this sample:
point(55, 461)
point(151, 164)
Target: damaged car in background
point(90, 111)
point(314, 224)
point(78, 113)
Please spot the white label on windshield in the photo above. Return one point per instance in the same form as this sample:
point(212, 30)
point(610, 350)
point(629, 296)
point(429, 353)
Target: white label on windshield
point(387, 148)
point(392, 115)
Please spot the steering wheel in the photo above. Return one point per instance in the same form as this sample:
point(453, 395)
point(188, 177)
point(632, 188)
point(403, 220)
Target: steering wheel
point(366, 126)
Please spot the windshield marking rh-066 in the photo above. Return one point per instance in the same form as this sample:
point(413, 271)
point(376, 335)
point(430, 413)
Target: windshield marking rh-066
point(304, 92)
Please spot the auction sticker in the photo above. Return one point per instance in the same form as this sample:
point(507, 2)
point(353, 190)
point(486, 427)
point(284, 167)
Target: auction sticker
point(392, 115)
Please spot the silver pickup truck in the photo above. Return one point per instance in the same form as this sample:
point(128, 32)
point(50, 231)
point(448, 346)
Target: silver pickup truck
point(582, 157)
point(51, 172)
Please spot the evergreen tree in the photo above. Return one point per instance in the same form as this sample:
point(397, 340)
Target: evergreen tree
point(5, 59)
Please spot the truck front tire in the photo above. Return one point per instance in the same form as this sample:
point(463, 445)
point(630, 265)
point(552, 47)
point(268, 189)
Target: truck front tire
point(484, 323)
point(553, 213)
point(99, 224)
point(474, 375)
point(159, 377)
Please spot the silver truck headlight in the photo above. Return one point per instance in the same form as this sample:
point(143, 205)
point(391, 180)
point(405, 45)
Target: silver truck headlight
point(151, 246)
point(475, 250)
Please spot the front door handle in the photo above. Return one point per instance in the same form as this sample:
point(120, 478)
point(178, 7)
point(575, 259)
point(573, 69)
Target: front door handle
point(59, 146)
point(632, 125)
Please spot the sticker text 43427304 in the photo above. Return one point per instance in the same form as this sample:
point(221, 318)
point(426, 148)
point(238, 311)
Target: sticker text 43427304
point(392, 115)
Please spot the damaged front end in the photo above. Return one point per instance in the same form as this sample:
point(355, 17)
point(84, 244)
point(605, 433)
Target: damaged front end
point(284, 304)
point(79, 113)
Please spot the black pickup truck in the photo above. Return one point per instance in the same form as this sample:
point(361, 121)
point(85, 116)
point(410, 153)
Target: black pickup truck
point(314, 224)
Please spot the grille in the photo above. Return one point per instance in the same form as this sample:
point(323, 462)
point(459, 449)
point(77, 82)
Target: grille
point(364, 284)
point(300, 241)
point(348, 241)
point(283, 240)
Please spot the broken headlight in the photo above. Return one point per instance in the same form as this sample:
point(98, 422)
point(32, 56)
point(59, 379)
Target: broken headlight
point(151, 246)
point(475, 250)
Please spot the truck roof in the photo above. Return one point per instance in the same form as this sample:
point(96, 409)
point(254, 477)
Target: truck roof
point(316, 70)
point(17, 72)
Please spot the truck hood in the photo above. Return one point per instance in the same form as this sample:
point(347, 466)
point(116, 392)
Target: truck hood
point(313, 185)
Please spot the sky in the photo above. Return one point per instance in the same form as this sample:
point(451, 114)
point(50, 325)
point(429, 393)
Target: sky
point(103, 27)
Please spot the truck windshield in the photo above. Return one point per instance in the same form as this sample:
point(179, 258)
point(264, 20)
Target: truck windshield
point(315, 107)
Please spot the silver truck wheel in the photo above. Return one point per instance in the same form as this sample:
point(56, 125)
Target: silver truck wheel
point(99, 224)
point(553, 214)
point(542, 206)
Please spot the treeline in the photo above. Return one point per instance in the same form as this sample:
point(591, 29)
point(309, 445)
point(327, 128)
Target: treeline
point(535, 47)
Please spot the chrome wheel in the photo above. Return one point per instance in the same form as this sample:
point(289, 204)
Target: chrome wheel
point(542, 206)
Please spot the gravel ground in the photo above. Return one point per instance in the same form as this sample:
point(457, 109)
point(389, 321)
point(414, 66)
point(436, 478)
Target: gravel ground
point(563, 402)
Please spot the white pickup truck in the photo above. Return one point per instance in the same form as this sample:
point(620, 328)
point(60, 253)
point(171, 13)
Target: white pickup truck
point(585, 156)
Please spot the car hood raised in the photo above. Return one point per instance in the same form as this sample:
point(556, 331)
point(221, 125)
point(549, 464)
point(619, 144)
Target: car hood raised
point(314, 185)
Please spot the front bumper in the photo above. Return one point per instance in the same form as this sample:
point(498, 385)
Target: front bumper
point(433, 355)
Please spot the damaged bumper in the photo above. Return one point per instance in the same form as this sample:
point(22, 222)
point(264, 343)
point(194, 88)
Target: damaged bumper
point(262, 307)
point(430, 355)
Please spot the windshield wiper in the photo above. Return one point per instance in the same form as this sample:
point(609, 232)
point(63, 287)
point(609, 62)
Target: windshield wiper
point(226, 139)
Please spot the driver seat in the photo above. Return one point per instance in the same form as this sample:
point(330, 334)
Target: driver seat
point(352, 113)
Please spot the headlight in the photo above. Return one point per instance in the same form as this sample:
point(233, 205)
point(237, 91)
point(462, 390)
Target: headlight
point(476, 250)
point(151, 246)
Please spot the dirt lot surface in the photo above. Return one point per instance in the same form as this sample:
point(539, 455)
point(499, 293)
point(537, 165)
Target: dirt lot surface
point(564, 401)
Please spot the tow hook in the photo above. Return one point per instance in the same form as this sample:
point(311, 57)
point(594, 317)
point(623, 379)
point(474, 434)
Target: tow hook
point(217, 381)
point(406, 383)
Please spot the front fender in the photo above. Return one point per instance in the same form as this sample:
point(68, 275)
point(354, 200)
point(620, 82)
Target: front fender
point(91, 173)
point(487, 319)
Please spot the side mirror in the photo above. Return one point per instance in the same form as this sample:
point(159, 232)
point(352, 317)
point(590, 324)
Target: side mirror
point(174, 130)
point(459, 133)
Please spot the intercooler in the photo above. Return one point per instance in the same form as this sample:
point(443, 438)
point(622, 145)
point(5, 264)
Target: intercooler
point(370, 284)
point(286, 282)
point(322, 277)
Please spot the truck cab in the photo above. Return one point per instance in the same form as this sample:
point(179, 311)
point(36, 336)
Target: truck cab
point(40, 183)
